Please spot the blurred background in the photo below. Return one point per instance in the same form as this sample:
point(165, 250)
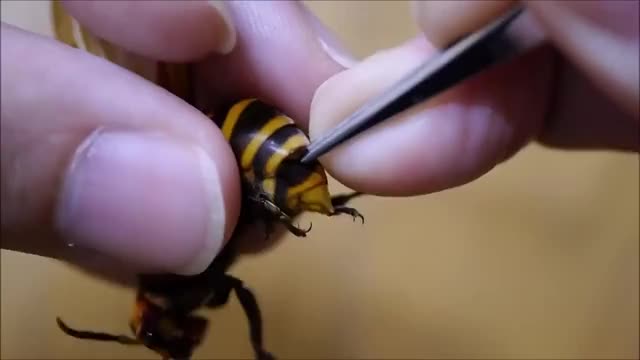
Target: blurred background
point(538, 259)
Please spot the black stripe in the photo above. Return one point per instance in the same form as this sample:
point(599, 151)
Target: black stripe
point(291, 173)
point(280, 194)
point(270, 145)
point(220, 114)
point(250, 121)
point(295, 172)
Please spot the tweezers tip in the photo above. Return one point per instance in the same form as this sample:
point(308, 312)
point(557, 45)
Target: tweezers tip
point(308, 157)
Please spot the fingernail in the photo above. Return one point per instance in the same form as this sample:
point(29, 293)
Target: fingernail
point(443, 22)
point(228, 40)
point(329, 42)
point(335, 98)
point(144, 199)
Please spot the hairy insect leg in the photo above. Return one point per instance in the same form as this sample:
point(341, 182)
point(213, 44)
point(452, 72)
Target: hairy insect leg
point(339, 205)
point(99, 336)
point(252, 311)
point(277, 214)
point(347, 210)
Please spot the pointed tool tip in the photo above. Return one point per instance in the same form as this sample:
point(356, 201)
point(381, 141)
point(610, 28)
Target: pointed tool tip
point(308, 157)
point(315, 150)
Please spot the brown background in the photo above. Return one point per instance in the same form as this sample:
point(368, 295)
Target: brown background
point(537, 259)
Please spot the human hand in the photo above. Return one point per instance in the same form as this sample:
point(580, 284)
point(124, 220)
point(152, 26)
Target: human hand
point(134, 178)
point(585, 98)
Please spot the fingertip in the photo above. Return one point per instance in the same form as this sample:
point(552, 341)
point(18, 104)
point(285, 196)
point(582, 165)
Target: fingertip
point(444, 142)
point(137, 176)
point(370, 77)
point(282, 55)
point(146, 198)
point(446, 21)
point(162, 30)
point(342, 94)
point(227, 39)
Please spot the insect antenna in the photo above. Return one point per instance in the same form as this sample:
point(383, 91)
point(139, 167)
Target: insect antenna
point(90, 335)
point(251, 309)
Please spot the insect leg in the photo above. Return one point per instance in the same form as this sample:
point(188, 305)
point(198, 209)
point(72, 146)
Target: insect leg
point(90, 335)
point(252, 310)
point(339, 205)
point(294, 229)
point(268, 229)
point(274, 211)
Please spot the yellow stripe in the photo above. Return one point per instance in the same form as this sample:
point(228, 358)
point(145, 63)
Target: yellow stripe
point(313, 180)
point(232, 117)
point(287, 148)
point(267, 130)
point(269, 186)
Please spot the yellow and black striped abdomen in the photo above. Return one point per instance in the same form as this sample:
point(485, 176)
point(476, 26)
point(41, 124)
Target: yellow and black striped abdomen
point(267, 145)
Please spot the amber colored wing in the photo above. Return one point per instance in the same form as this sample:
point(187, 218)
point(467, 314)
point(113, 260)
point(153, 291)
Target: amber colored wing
point(173, 77)
point(69, 31)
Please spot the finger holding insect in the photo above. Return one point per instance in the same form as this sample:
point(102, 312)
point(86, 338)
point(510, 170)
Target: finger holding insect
point(98, 159)
point(308, 54)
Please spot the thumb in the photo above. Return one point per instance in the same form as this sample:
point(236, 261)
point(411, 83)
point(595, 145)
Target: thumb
point(105, 170)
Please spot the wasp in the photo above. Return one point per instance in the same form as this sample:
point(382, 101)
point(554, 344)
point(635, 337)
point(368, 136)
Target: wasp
point(268, 147)
point(276, 188)
point(164, 318)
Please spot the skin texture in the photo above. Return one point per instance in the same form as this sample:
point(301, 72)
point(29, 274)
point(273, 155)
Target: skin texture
point(581, 93)
point(71, 192)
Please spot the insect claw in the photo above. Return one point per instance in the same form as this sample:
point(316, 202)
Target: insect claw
point(296, 230)
point(350, 211)
point(354, 217)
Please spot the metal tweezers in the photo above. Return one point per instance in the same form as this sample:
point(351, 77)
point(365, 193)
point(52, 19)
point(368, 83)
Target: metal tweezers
point(496, 42)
